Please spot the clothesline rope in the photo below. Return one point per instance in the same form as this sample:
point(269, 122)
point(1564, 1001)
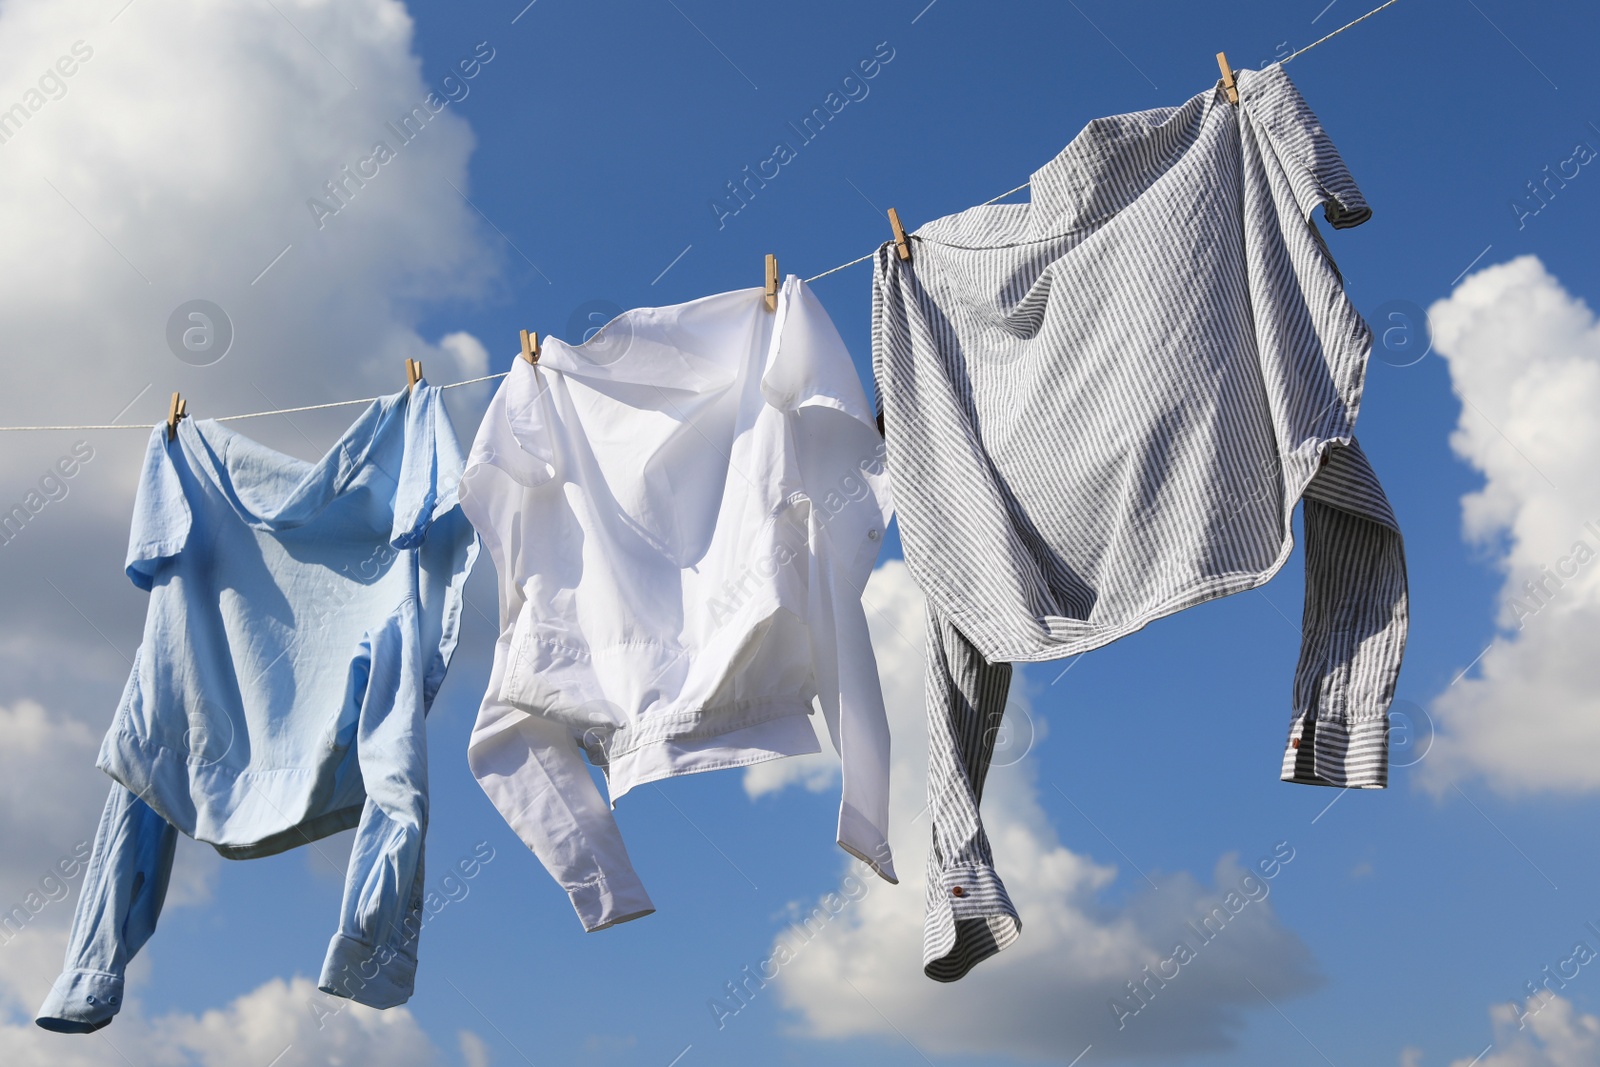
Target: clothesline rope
point(1336, 32)
point(1024, 185)
point(251, 414)
point(502, 374)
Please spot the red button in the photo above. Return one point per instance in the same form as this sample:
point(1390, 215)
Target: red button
point(1295, 743)
point(957, 891)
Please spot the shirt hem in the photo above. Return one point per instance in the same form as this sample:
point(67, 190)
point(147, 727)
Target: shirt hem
point(165, 779)
point(785, 731)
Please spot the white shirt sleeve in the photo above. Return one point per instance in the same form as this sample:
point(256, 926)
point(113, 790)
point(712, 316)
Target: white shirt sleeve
point(535, 774)
point(841, 460)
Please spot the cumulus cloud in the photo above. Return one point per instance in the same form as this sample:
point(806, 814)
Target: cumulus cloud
point(152, 156)
point(1524, 356)
point(471, 358)
point(181, 160)
point(857, 970)
point(1557, 1035)
point(274, 1024)
point(186, 154)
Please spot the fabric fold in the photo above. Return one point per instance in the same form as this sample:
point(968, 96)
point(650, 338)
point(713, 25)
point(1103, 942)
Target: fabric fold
point(301, 618)
point(1102, 407)
point(682, 512)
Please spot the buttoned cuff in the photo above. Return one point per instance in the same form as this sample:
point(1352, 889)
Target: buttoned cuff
point(81, 1002)
point(1349, 755)
point(606, 902)
point(970, 918)
point(377, 977)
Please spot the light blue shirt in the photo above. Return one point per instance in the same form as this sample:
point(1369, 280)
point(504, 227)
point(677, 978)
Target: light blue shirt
point(301, 619)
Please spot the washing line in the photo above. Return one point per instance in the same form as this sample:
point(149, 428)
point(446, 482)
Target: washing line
point(502, 374)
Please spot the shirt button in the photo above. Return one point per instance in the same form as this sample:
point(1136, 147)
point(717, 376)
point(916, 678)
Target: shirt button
point(957, 891)
point(90, 998)
point(873, 535)
point(1295, 743)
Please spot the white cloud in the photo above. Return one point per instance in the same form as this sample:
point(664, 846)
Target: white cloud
point(1049, 994)
point(471, 358)
point(180, 162)
point(176, 163)
point(1524, 355)
point(283, 1023)
point(1557, 1035)
point(474, 1051)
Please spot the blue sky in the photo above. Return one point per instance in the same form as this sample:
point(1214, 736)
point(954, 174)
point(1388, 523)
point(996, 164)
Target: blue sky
point(576, 172)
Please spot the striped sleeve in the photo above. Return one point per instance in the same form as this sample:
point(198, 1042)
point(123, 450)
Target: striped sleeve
point(1314, 167)
point(969, 916)
point(1356, 616)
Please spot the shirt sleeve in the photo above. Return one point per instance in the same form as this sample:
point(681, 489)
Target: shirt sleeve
point(373, 957)
point(1313, 165)
point(845, 534)
point(123, 890)
point(161, 514)
point(970, 916)
point(1356, 617)
point(430, 471)
point(534, 773)
point(840, 457)
point(435, 523)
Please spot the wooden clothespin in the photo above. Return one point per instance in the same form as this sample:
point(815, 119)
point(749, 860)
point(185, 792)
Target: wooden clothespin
point(530, 347)
point(413, 373)
point(1227, 78)
point(902, 243)
point(772, 282)
point(175, 414)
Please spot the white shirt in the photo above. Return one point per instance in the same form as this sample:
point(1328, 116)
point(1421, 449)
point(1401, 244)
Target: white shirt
point(682, 511)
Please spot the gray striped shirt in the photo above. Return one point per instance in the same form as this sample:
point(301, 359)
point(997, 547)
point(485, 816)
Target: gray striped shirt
point(1101, 408)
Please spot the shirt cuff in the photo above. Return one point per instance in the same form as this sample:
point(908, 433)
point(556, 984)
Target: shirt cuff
point(1349, 755)
point(379, 977)
point(602, 902)
point(970, 918)
point(866, 843)
point(81, 1002)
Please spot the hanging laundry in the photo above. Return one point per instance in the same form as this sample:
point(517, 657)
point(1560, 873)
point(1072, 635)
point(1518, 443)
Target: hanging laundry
point(1101, 408)
point(301, 619)
point(683, 512)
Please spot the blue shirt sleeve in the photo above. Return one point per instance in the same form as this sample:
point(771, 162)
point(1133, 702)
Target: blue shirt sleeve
point(161, 515)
